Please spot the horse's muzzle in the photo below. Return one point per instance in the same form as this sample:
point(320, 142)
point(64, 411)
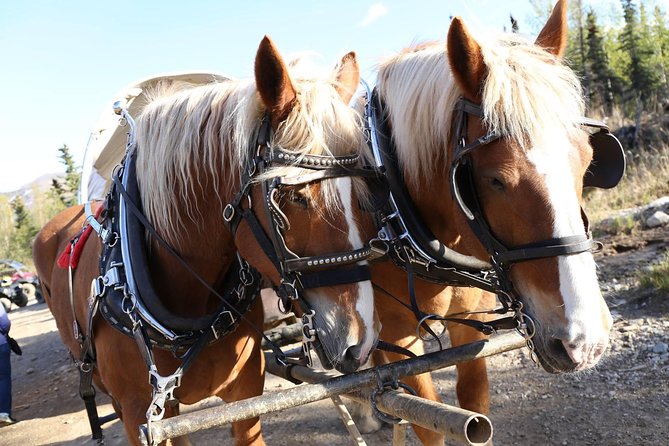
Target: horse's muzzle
point(559, 356)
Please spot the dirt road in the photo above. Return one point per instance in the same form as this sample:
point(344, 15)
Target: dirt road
point(624, 401)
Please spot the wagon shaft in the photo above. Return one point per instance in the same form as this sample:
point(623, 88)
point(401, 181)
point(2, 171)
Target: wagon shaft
point(456, 424)
point(308, 393)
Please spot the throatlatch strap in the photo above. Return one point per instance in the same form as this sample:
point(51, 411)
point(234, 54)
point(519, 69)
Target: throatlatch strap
point(574, 244)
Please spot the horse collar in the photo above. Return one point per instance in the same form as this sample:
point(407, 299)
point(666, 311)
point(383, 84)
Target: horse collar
point(124, 286)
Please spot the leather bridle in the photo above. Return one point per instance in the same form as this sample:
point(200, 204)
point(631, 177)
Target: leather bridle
point(298, 273)
point(412, 246)
point(461, 178)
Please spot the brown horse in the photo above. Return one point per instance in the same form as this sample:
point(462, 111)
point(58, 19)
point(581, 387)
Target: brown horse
point(193, 148)
point(509, 112)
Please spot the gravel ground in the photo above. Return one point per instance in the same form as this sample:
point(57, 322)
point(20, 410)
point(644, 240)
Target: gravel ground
point(624, 401)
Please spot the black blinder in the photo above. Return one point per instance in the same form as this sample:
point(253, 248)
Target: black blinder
point(608, 161)
point(462, 187)
point(379, 191)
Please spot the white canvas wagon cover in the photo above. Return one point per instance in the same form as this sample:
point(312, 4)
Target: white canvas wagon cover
point(106, 143)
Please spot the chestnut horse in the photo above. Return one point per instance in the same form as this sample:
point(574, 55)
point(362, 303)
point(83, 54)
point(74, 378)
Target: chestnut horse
point(509, 111)
point(193, 148)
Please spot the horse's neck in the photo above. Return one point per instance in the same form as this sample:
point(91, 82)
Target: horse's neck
point(206, 246)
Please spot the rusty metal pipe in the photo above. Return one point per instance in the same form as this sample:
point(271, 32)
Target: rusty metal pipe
point(308, 393)
point(456, 424)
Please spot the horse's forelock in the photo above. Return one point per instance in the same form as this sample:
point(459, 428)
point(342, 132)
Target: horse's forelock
point(527, 92)
point(185, 137)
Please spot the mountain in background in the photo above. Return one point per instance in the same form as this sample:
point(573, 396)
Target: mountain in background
point(27, 191)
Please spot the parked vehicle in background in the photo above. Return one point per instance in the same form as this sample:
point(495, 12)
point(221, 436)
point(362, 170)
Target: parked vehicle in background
point(18, 284)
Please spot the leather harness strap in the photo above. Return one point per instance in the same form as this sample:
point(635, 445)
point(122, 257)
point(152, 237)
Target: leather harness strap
point(413, 248)
point(297, 272)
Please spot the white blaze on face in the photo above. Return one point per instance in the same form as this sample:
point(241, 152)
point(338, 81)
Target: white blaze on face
point(587, 316)
point(365, 304)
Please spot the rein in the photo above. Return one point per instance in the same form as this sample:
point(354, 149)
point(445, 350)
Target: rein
point(412, 246)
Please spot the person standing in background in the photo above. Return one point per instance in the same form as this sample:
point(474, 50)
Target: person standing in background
point(5, 371)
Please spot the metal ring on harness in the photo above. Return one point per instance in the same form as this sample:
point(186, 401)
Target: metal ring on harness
point(228, 213)
point(381, 387)
point(429, 336)
point(526, 330)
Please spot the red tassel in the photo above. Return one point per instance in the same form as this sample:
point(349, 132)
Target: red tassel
point(70, 257)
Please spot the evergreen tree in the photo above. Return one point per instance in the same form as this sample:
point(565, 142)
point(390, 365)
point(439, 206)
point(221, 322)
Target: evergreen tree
point(514, 24)
point(66, 189)
point(20, 246)
point(21, 215)
point(7, 228)
point(661, 46)
point(575, 54)
point(635, 40)
point(603, 81)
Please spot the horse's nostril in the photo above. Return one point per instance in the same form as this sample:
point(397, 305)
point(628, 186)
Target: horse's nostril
point(350, 361)
point(353, 353)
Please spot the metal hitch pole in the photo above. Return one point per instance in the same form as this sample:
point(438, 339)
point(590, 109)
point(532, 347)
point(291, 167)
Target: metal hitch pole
point(456, 424)
point(272, 402)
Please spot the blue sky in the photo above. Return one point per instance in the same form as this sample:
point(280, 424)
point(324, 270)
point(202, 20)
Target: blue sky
point(64, 61)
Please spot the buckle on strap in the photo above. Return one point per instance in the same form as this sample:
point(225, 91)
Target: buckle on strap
point(223, 314)
point(112, 278)
point(104, 233)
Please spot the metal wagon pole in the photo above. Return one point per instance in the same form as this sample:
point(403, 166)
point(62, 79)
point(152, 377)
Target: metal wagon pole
point(308, 393)
point(456, 424)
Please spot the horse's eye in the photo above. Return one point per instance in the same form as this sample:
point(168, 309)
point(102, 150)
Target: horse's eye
point(496, 184)
point(298, 198)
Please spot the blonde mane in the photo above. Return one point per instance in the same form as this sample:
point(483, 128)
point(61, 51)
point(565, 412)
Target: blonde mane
point(191, 140)
point(526, 92)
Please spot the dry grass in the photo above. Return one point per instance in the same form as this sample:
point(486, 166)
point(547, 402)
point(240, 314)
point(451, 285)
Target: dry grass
point(647, 175)
point(656, 276)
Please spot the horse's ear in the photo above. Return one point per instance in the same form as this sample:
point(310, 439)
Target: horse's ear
point(273, 82)
point(553, 37)
point(465, 59)
point(347, 77)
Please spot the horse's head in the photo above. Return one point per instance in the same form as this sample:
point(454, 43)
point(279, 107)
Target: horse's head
point(309, 188)
point(529, 181)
